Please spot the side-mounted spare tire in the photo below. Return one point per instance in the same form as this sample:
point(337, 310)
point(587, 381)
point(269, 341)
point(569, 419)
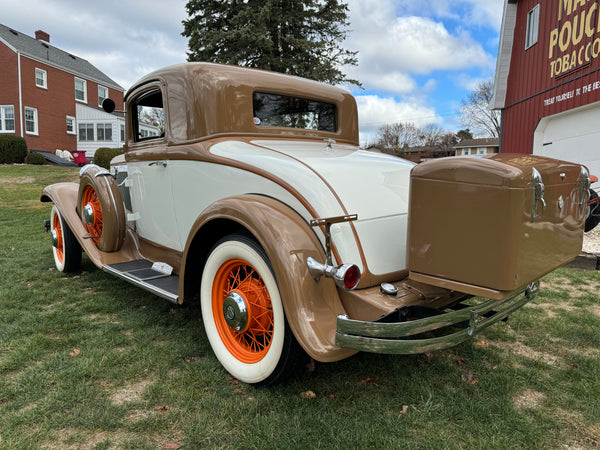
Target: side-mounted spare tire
point(100, 207)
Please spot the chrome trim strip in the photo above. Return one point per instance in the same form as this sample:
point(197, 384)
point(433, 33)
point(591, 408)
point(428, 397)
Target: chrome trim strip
point(146, 286)
point(391, 338)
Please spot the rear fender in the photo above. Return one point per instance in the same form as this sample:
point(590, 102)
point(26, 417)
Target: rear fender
point(311, 307)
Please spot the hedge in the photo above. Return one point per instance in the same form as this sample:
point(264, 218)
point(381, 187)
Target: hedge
point(36, 158)
point(103, 156)
point(13, 149)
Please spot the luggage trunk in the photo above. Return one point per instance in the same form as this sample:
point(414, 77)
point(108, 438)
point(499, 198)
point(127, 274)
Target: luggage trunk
point(494, 223)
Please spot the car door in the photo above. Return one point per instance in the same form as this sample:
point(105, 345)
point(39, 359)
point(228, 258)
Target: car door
point(148, 178)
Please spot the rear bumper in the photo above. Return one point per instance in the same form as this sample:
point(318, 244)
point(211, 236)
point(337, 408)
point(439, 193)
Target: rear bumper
point(397, 337)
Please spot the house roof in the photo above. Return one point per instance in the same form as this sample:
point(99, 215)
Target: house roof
point(44, 52)
point(481, 142)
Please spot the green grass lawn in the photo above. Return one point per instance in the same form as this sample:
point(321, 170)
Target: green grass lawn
point(88, 361)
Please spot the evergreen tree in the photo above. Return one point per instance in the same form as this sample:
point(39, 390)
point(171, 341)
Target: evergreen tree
point(297, 37)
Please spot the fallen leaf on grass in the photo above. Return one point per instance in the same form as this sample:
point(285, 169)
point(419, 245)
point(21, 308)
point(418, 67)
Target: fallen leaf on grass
point(239, 391)
point(573, 366)
point(468, 377)
point(330, 395)
point(192, 358)
point(308, 394)
point(370, 380)
point(162, 409)
point(404, 409)
point(428, 356)
point(75, 352)
point(173, 446)
point(460, 361)
point(481, 344)
point(234, 381)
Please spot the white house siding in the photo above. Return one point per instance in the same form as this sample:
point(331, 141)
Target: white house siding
point(89, 115)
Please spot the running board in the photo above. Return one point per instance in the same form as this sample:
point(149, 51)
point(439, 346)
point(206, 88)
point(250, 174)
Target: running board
point(141, 274)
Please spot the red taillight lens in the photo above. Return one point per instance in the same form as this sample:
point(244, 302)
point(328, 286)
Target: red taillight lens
point(351, 277)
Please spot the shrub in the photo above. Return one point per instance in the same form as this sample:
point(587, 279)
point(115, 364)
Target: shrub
point(13, 149)
point(103, 156)
point(36, 158)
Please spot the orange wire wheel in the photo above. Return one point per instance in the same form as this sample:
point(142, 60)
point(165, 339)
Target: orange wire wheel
point(65, 247)
point(57, 236)
point(242, 311)
point(243, 314)
point(101, 208)
point(92, 213)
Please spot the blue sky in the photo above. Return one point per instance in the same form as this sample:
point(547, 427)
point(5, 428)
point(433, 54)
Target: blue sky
point(417, 59)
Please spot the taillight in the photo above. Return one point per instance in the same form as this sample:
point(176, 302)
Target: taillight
point(346, 276)
point(351, 277)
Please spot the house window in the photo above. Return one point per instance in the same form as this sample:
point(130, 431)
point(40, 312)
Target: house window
point(80, 90)
point(466, 151)
point(41, 78)
point(86, 131)
point(122, 133)
point(70, 125)
point(104, 131)
point(533, 22)
point(481, 151)
point(102, 94)
point(31, 120)
point(7, 119)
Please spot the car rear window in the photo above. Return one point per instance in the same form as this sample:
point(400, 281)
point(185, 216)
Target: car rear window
point(275, 110)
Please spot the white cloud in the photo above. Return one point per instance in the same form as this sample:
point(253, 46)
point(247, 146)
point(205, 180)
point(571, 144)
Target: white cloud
point(124, 39)
point(374, 111)
point(392, 49)
point(472, 13)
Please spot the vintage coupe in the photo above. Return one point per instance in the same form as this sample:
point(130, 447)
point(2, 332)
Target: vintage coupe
point(254, 197)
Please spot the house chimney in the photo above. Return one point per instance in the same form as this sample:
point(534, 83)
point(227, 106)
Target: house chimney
point(42, 36)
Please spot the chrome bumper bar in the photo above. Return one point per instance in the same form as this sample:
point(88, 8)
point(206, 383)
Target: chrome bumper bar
point(395, 338)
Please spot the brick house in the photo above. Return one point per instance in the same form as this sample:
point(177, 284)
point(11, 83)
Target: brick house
point(548, 79)
point(52, 98)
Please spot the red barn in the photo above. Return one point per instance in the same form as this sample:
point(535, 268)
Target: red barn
point(52, 98)
point(548, 79)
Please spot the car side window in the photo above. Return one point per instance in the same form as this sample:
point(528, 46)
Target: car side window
point(149, 116)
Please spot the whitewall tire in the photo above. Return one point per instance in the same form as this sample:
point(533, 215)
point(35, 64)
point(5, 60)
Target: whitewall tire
point(243, 314)
point(65, 248)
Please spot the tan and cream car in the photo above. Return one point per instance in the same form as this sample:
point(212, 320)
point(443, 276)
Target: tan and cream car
point(254, 197)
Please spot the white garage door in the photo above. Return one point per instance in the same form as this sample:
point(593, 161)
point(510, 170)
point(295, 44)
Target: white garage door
point(572, 136)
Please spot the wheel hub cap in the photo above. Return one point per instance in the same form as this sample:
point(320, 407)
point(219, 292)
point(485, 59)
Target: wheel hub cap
point(88, 214)
point(54, 239)
point(235, 311)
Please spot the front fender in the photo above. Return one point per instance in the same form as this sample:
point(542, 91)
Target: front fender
point(64, 196)
point(311, 307)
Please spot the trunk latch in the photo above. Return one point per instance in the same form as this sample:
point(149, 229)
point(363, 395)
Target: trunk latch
point(538, 194)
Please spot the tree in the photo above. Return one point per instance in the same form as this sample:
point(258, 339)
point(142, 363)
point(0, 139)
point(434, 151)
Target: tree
point(394, 137)
point(297, 37)
point(476, 113)
point(463, 135)
point(398, 138)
